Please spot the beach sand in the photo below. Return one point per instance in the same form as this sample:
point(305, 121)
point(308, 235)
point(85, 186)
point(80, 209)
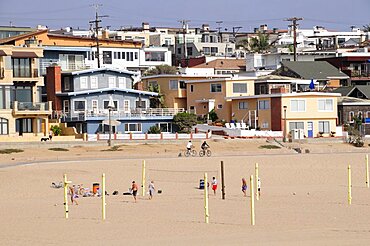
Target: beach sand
point(303, 200)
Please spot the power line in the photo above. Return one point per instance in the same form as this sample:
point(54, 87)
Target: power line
point(294, 25)
point(97, 27)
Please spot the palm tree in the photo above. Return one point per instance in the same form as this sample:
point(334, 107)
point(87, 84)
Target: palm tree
point(260, 43)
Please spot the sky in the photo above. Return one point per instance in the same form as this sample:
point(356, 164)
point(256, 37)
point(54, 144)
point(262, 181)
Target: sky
point(337, 15)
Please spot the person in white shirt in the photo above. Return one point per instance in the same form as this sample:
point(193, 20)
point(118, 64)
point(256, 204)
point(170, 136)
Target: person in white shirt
point(189, 146)
point(151, 189)
point(259, 186)
point(214, 185)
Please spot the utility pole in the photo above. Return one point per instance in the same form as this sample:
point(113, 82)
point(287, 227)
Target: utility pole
point(236, 30)
point(97, 27)
point(184, 31)
point(294, 25)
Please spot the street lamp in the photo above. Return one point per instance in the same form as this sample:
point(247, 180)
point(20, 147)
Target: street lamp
point(284, 132)
point(110, 108)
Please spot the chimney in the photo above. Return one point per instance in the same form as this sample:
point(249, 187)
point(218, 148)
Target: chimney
point(205, 27)
point(54, 85)
point(145, 26)
point(105, 34)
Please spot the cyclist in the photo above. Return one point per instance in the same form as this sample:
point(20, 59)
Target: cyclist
point(189, 146)
point(204, 146)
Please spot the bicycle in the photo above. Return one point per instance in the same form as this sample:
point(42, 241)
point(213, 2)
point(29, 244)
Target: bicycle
point(204, 152)
point(191, 152)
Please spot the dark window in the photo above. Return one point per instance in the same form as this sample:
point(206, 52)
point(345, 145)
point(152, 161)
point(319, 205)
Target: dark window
point(21, 67)
point(80, 105)
point(118, 55)
point(191, 88)
point(107, 57)
point(123, 55)
point(216, 88)
point(190, 51)
point(107, 102)
point(4, 126)
point(154, 56)
point(136, 56)
point(182, 84)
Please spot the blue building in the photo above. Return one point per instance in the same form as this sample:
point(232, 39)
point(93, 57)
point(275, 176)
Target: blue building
point(81, 99)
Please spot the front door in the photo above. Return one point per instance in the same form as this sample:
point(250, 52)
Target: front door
point(310, 129)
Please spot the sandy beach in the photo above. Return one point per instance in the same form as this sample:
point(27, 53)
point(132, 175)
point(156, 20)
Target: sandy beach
point(303, 200)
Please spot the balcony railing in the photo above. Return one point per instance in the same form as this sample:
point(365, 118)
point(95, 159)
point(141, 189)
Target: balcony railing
point(31, 108)
point(132, 113)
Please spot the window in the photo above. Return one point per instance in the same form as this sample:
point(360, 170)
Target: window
point(94, 82)
point(112, 82)
point(189, 50)
point(83, 83)
point(107, 57)
point(263, 104)
point(80, 106)
point(207, 50)
point(133, 127)
point(126, 106)
point(296, 125)
point(154, 56)
point(324, 126)
point(216, 88)
point(182, 84)
point(140, 104)
point(214, 50)
point(219, 106)
point(123, 55)
point(4, 126)
point(21, 67)
point(174, 85)
point(191, 88)
point(367, 115)
point(94, 106)
point(118, 55)
point(243, 105)
point(265, 125)
point(297, 105)
point(67, 83)
point(106, 103)
point(239, 87)
point(325, 104)
point(66, 106)
point(136, 56)
point(359, 115)
point(122, 83)
point(115, 55)
point(165, 127)
point(351, 115)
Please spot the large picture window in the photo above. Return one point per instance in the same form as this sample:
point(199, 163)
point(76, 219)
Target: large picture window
point(243, 105)
point(21, 67)
point(263, 104)
point(133, 127)
point(154, 56)
point(115, 102)
point(107, 57)
point(324, 126)
point(296, 125)
point(174, 84)
point(80, 106)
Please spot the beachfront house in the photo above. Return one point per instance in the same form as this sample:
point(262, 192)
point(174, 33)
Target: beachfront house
point(82, 100)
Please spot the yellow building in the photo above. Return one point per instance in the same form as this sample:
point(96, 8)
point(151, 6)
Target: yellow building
point(208, 94)
point(21, 111)
point(173, 87)
point(313, 112)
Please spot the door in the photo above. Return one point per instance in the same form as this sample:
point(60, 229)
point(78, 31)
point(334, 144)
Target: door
point(310, 129)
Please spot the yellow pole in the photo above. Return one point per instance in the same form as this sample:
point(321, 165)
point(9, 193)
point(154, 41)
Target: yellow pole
point(103, 195)
point(66, 182)
point(349, 186)
point(253, 222)
point(143, 179)
point(367, 170)
point(206, 213)
point(256, 173)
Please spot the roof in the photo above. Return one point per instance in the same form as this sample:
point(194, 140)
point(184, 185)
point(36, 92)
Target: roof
point(352, 101)
point(300, 94)
point(314, 69)
point(274, 77)
point(346, 91)
point(21, 36)
point(110, 89)
point(103, 69)
point(223, 64)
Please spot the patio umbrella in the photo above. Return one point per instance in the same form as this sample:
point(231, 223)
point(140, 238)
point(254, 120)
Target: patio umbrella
point(312, 85)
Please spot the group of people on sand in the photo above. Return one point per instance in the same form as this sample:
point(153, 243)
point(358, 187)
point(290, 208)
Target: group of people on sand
point(245, 186)
point(135, 188)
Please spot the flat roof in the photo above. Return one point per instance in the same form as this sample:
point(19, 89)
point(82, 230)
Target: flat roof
point(300, 94)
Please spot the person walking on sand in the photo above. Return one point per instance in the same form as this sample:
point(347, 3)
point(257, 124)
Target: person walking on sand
point(244, 186)
point(214, 185)
point(50, 135)
point(151, 189)
point(74, 195)
point(259, 186)
point(134, 189)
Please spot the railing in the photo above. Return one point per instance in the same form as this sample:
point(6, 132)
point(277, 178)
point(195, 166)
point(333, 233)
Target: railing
point(31, 106)
point(133, 113)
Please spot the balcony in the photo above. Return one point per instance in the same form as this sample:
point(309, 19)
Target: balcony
point(132, 114)
point(32, 108)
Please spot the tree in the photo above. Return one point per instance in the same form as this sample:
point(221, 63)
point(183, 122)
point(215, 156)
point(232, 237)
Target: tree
point(260, 43)
point(156, 102)
point(213, 115)
point(154, 130)
point(185, 121)
point(161, 69)
point(243, 44)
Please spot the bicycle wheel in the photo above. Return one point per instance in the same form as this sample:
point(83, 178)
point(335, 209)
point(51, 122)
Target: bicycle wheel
point(209, 153)
point(201, 153)
point(187, 153)
point(193, 152)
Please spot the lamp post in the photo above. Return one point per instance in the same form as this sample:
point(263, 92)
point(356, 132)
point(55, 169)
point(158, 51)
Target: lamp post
point(110, 108)
point(284, 132)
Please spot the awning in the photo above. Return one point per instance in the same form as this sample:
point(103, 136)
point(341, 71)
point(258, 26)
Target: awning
point(2, 53)
point(113, 122)
point(24, 54)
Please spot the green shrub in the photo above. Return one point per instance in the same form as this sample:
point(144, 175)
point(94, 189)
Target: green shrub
point(57, 130)
point(9, 151)
point(154, 130)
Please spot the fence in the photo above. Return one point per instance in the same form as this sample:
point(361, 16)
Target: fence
point(146, 136)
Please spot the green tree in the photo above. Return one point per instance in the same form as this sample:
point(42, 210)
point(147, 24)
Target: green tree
point(185, 121)
point(260, 43)
point(57, 130)
point(156, 102)
point(154, 130)
point(161, 69)
point(213, 115)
